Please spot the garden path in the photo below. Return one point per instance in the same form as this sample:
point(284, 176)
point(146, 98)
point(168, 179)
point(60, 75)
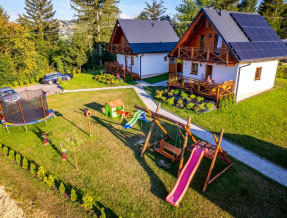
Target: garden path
point(265, 167)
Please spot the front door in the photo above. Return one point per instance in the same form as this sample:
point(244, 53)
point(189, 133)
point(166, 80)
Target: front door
point(208, 71)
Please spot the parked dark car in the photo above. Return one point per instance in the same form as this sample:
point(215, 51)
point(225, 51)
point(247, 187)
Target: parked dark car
point(51, 78)
point(8, 94)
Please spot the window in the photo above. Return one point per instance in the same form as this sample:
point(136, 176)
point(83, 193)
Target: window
point(132, 60)
point(258, 73)
point(201, 43)
point(218, 43)
point(194, 68)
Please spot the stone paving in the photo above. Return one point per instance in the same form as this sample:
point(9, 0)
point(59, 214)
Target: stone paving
point(256, 162)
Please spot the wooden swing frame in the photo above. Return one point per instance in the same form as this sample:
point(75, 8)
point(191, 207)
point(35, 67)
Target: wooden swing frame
point(212, 152)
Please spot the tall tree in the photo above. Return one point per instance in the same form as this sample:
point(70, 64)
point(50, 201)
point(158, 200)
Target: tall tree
point(39, 18)
point(275, 12)
point(3, 13)
point(186, 12)
point(247, 6)
point(96, 18)
point(153, 11)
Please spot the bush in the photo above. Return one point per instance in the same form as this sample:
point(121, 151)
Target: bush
point(103, 214)
point(177, 91)
point(41, 173)
point(158, 94)
point(192, 96)
point(201, 106)
point(25, 164)
point(179, 103)
point(209, 106)
point(170, 94)
point(51, 181)
point(189, 106)
point(79, 71)
point(188, 99)
point(226, 101)
point(163, 98)
point(60, 81)
point(166, 90)
point(170, 101)
point(32, 169)
point(196, 108)
point(88, 202)
point(199, 98)
point(172, 90)
point(5, 151)
point(184, 95)
point(73, 195)
point(62, 188)
point(11, 154)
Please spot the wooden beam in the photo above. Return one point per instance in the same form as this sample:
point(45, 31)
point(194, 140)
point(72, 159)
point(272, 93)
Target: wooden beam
point(150, 131)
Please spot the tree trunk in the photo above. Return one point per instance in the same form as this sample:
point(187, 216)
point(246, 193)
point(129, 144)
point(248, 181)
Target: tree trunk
point(100, 54)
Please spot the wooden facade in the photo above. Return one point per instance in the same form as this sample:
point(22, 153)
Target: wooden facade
point(119, 70)
point(210, 90)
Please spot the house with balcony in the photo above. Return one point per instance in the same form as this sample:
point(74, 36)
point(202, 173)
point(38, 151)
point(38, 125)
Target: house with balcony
point(226, 52)
point(142, 48)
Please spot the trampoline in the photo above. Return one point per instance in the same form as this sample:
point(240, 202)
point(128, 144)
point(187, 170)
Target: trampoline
point(31, 108)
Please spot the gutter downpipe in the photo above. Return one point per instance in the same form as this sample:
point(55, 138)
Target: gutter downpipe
point(141, 66)
point(238, 77)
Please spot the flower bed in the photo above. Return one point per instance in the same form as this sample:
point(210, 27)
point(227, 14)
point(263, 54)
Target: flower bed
point(182, 99)
point(107, 79)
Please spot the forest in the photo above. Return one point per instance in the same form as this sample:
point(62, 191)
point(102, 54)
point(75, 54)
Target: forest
point(31, 46)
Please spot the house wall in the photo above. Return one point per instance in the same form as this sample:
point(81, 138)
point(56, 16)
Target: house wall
point(220, 73)
point(248, 87)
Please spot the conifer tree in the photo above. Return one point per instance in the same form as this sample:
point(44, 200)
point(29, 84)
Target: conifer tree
point(3, 13)
point(153, 11)
point(247, 6)
point(39, 18)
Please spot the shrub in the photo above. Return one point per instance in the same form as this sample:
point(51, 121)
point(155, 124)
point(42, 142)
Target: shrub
point(170, 94)
point(192, 96)
point(209, 106)
point(199, 98)
point(158, 94)
point(32, 169)
point(88, 202)
point(179, 103)
point(163, 98)
point(188, 99)
point(201, 106)
point(41, 173)
point(166, 90)
point(51, 181)
point(5, 151)
point(196, 108)
point(184, 95)
point(25, 164)
point(79, 71)
point(172, 90)
point(11, 154)
point(103, 214)
point(73, 195)
point(189, 106)
point(74, 71)
point(62, 188)
point(177, 91)
point(60, 81)
point(226, 101)
point(170, 101)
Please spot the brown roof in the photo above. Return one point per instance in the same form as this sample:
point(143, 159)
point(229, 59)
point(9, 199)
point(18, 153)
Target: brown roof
point(116, 103)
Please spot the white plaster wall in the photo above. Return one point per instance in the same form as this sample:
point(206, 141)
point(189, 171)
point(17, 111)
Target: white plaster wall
point(121, 59)
point(248, 87)
point(220, 73)
point(153, 63)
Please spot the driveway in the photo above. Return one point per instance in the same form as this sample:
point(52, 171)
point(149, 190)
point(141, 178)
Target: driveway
point(50, 89)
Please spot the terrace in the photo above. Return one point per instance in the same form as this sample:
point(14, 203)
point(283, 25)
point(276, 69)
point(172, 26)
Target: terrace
point(210, 90)
point(120, 70)
point(120, 49)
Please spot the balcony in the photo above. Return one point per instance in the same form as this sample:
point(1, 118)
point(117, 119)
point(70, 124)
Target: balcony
point(222, 56)
point(210, 90)
point(119, 70)
point(120, 49)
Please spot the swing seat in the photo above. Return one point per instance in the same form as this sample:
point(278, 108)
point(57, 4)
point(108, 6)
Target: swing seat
point(168, 151)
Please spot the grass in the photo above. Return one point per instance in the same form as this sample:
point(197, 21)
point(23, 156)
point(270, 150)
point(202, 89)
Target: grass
point(86, 80)
point(156, 79)
point(118, 179)
point(257, 124)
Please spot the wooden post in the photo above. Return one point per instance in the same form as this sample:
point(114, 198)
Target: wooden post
point(182, 82)
point(89, 125)
point(149, 132)
point(208, 53)
point(198, 87)
point(192, 52)
point(178, 52)
point(184, 146)
point(124, 73)
point(213, 161)
point(227, 57)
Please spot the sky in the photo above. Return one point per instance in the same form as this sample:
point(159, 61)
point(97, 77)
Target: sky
point(128, 8)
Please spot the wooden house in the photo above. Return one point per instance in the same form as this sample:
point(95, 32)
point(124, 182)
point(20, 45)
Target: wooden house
point(142, 47)
point(226, 52)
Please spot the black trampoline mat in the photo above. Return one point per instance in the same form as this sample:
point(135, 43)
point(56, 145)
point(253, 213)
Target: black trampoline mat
point(30, 115)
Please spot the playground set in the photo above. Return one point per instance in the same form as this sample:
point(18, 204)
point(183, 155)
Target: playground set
point(31, 108)
point(199, 149)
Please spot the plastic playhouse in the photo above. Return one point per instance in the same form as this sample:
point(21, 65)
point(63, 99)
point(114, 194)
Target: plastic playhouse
point(112, 107)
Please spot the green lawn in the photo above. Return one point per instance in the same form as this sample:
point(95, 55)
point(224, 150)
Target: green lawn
point(258, 124)
point(118, 179)
point(156, 79)
point(86, 80)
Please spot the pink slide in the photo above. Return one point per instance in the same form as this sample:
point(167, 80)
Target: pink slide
point(185, 177)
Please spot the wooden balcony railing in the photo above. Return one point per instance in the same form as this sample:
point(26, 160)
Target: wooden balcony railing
point(120, 49)
point(210, 90)
point(210, 55)
point(117, 69)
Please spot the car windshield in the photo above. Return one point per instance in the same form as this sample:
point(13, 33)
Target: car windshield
point(7, 92)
